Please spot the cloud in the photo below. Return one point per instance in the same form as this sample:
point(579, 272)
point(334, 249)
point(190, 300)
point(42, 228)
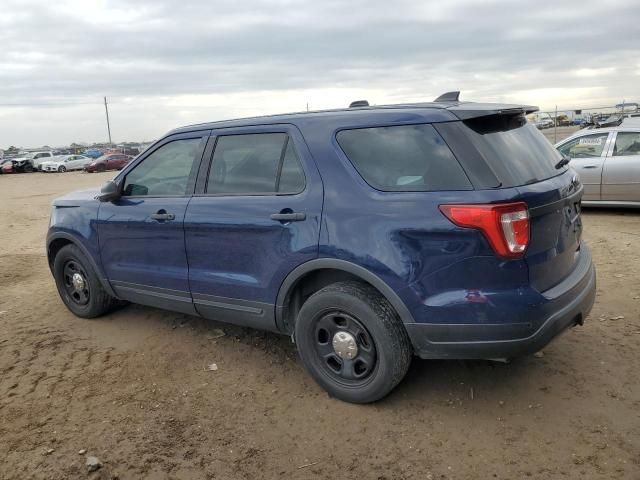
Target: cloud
point(166, 63)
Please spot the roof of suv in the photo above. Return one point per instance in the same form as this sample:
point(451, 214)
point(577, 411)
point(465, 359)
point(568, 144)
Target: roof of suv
point(454, 111)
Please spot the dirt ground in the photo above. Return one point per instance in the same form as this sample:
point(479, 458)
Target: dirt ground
point(554, 135)
point(132, 388)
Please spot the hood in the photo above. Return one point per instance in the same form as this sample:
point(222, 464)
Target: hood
point(76, 199)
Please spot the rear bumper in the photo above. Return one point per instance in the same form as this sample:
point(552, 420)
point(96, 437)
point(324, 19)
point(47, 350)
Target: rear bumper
point(562, 307)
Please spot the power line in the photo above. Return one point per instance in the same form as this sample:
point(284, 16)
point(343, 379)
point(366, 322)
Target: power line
point(47, 104)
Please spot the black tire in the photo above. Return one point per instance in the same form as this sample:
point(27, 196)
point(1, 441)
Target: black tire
point(383, 346)
point(90, 304)
point(62, 169)
point(101, 168)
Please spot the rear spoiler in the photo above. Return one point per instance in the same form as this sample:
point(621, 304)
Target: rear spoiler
point(468, 110)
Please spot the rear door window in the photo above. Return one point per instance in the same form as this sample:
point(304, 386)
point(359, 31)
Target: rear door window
point(627, 143)
point(403, 158)
point(255, 164)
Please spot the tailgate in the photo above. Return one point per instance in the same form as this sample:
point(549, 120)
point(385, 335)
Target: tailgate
point(555, 229)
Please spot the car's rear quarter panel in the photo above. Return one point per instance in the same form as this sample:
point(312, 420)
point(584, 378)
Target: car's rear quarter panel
point(442, 273)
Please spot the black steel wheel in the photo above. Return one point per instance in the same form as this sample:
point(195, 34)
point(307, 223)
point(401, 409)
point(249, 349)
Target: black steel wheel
point(78, 284)
point(344, 347)
point(75, 282)
point(352, 342)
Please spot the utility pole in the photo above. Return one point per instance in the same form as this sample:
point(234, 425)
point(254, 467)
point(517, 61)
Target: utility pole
point(106, 110)
point(555, 127)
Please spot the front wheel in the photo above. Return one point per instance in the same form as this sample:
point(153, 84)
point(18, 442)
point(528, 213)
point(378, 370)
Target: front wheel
point(79, 285)
point(352, 342)
point(62, 169)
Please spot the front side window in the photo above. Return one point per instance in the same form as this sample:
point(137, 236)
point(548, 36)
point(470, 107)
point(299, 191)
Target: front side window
point(585, 146)
point(262, 163)
point(165, 171)
point(403, 158)
point(627, 143)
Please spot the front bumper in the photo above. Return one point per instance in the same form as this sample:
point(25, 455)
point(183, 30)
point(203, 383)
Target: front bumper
point(565, 306)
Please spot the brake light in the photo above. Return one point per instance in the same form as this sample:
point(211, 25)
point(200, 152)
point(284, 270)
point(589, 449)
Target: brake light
point(505, 226)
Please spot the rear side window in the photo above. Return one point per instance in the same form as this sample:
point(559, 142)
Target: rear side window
point(403, 158)
point(627, 143)
point(255, 164)
point(514, 151)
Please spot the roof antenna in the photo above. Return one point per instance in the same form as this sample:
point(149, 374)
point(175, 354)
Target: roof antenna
point(359, 103)
point(449, 97)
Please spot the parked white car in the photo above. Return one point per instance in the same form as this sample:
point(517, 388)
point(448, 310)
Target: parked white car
point(65, 163)
point(545, 122)
point(34, 159)
point(608, 162)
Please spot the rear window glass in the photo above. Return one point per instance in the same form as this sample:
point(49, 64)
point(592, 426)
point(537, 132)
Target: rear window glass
point(403, 158)
point(515, 151)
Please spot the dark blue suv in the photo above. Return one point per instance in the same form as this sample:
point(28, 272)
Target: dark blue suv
point(368, 234)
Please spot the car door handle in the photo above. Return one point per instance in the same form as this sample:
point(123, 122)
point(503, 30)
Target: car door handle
point(289, 217)
point(590, 166)
point(162, 216)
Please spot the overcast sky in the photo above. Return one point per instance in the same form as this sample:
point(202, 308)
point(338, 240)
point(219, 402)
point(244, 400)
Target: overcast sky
point(166, 63)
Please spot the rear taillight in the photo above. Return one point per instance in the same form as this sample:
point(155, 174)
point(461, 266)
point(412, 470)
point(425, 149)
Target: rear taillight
point(506, 226)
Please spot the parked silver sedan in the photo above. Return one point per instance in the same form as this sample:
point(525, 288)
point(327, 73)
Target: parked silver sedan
point(608, 162)
point(63, 163)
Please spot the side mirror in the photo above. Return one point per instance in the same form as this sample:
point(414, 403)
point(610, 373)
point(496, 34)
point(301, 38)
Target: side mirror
point(109, 192)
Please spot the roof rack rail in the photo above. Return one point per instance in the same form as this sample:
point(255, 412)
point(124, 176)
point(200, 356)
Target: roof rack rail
point(359, 103)
point(449, 97)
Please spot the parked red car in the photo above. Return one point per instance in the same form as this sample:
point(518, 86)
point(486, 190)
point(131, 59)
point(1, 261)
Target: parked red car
point(115, 161)
point(16, 165)
point(6, 167)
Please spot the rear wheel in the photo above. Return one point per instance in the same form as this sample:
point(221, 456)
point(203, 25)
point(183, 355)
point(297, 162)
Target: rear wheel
point(352, 342)
point(79, 286)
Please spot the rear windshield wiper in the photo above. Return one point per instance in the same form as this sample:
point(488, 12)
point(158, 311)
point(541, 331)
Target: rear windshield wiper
point(565, 161)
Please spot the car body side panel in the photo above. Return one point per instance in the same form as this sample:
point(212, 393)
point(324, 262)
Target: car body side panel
point(239, 256)
point(590, 168)
point(145, 257)
point(621, 177)
point(74, 219)
point(590, 171)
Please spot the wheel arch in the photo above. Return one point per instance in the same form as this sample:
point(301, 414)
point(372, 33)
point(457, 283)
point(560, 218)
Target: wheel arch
point(338, 270)
point(58, 240)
